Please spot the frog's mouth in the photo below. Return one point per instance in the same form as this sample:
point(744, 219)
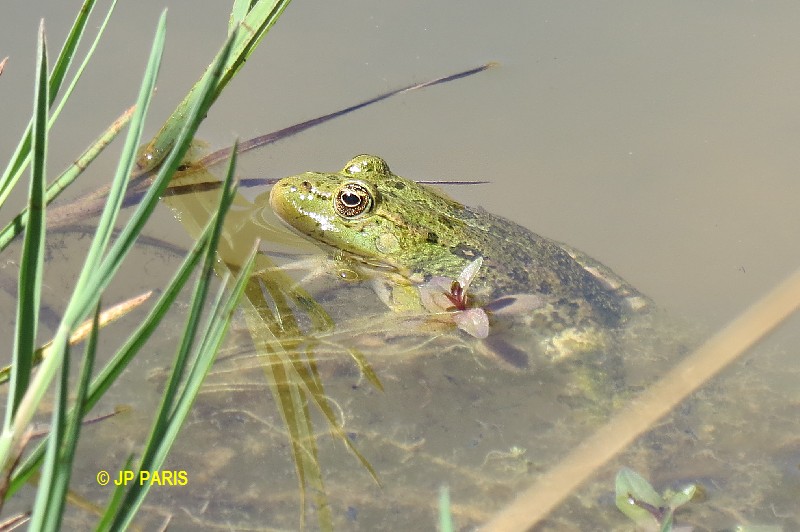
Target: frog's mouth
point(377, 264)
point(369, 262)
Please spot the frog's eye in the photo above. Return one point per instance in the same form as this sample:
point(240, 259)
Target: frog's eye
point(352, 200)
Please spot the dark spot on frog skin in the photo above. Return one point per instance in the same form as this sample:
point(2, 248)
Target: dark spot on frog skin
point(399, 185)
point(544, 288)
point(518, 275)
point(433, 238)
point(445, 221)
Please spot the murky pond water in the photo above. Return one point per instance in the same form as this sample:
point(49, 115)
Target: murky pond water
point(659, 139)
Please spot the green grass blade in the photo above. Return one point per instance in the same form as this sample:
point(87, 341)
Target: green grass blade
point(262, 16)
point(32, 262)
point(128, 235)
point(48, 480)
point(445, 517)
point(71, 43)
point(15, 226)
point(116, 498)
point(73, 428)
point(88, 288)
point(65, 59)
point(176, 403)
point(205, 358)
point(114, 368)
point(195, 312)
point(238, 12)
point(120, 184)
point(62, 441)
point(21, 155)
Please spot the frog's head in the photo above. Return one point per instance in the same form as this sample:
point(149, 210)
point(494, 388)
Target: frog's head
point(369, 212)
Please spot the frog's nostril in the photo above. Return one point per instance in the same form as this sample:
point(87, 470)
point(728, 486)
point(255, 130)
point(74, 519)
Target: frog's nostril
point(306, 185)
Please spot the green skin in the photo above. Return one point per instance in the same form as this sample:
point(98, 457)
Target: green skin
point(409, 232)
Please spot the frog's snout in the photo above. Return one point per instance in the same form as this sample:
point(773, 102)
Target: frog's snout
point(277, 195)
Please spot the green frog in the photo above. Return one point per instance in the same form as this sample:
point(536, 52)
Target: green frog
point(406, 233)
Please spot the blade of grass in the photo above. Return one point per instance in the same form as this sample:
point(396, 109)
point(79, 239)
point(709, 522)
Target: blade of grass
point(21, 154)
point(115, 196)
point(88, 289)
point(196, 310)
point(54, 485)
point(114, 368)
point(260, 18)
point(176, 400)
point(104, 272)
point(118, 495)
point(10, 231)
point(238, 12)
point(107, 316)
point(445, 517)
point(47, 480)
point(219, 323)
point(130, 232)
point(32, 262)
point(64, 61)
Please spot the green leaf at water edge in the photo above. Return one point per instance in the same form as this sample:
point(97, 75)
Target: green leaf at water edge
point(32, 261)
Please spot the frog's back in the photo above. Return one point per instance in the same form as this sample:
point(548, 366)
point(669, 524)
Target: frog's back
point(517, 260)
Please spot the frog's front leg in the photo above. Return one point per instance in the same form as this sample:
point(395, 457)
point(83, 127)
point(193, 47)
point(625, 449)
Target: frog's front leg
point(398, 297)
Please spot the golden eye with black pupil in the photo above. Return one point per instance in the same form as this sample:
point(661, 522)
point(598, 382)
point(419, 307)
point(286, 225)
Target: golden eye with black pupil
point(352, 200)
